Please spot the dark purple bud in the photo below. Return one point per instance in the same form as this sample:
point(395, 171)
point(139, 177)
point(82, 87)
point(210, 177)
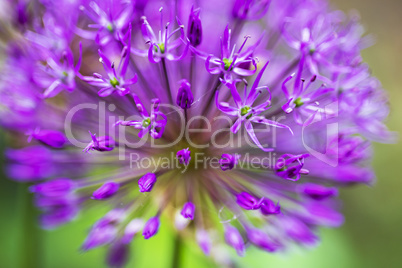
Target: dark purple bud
point(194, 30)
point(290, 167)
point(151, 227)
point(227, 162)
point(247, 201)
point(184, 95)
point(22, 13)
point(204, 241)
point(146, 182)
point(106, 190)
point(250, 9)
point(56, 187)
point(51, 138)
point(188, 211)
point(268, 207)
point(235, 240)
point(184, 156)
point(117, 255)
point(261, 240)
point(318, 192)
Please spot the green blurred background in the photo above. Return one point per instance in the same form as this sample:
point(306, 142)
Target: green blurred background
point(371, 236)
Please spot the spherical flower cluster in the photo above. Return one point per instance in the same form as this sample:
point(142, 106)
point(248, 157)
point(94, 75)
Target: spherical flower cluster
point(239, 118)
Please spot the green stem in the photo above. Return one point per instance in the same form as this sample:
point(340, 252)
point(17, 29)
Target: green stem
point(176, 252)
point(167, 80)
point(29, 241)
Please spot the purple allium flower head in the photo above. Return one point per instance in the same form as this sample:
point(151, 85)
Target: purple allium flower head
point(184, 156)
point(146, 182)
point(249, 94)
point(151, 227)
point(188, 211)
point(106, 190)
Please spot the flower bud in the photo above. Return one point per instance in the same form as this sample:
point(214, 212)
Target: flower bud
point(51, 138)
point(106, 190)
point(146, 182)
point(227, 162)
point(188, 211)
point(57, 216)
point(151, 227)
point(235, 240)
point(117, 255)
point(290, 167)
point(250, 9)
point(247, 201)
point(194, 30)
point(105, 230)
point(204, 241)
point(53, 188)
point(100, 234)
point(318, 192)
point(268, 207)
point(184, 95)
point(261, 240)
point(100, 144)
point(184, 156)
point(298, 231)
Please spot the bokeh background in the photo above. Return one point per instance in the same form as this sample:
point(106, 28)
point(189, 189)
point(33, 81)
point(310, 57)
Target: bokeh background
point(370, 237)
